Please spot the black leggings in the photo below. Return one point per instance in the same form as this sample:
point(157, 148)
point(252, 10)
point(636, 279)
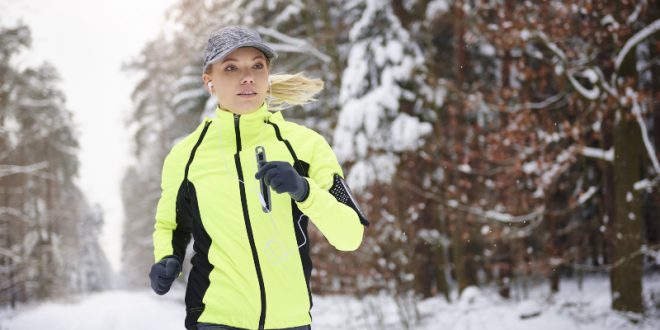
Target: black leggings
point(206, 326)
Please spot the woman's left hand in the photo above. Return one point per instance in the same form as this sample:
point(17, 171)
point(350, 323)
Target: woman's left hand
point(282, 177)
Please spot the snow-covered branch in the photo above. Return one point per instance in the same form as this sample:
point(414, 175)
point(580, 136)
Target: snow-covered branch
point(591, 94)
point(15, 212)
point(6, 170)
point(547, 102)
point(552, 46)
point(291, 44)
point(590, 74)
point(634, 40)
point(636, 110)
point(603, 82)
point(498, 216)
point(653, 251)
point(647, 184)
point(606, 155)
point(8, 253)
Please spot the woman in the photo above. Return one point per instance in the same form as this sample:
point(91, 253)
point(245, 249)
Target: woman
point(244, 184)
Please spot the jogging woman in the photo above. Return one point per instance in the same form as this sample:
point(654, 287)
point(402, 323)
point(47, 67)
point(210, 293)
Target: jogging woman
point(244, 185)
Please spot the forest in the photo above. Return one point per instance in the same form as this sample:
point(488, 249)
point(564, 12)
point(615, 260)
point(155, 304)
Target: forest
point(491, 143)
point(494, 144)
point(48, 231)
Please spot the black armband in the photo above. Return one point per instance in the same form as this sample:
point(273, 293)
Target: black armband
point(343, 194)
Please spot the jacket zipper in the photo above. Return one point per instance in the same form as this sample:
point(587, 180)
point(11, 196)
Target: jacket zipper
point(248, 226)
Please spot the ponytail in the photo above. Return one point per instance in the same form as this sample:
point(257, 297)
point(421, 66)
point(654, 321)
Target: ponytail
point(287, 90)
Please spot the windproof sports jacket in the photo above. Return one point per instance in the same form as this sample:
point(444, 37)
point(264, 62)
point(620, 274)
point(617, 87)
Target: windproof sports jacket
point(251, 268)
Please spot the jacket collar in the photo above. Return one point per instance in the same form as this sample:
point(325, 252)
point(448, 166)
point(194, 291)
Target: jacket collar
point(250, 125)
point(261, 115)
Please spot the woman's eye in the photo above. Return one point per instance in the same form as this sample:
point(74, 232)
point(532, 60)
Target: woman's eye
point(230, 68)
point(259, 66)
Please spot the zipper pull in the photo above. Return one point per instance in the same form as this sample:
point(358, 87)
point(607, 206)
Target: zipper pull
point(265, 191)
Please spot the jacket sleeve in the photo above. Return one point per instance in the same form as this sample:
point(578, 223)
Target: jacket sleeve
point(329, 204)
point(170, 237)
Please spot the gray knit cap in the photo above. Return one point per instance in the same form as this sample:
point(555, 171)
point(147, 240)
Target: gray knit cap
point(225, 40)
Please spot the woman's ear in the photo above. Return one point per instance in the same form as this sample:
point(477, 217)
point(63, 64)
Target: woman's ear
point(207, 81)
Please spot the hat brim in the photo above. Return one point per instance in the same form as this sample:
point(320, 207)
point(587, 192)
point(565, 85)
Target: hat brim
point(269, 52)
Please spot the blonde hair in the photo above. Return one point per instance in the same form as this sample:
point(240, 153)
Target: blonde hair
point(287, 90)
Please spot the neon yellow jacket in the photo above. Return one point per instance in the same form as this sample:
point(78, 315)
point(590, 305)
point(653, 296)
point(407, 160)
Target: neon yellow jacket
point(251, 269)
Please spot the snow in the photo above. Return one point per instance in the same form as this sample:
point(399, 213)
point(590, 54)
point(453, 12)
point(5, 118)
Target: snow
point(376, 169)
point(525, 34)
point(643, 184)
point(645, 135)
point(497, 214)
point(290, 11)
point(552, 46)
point(547, 102)
point(6, 170)
point(370, 127)
point(436, 8)
point(635, 15)
point(487, 49)
point(191, 94)
point(108, 310)
point(289, 44)
point(477, 308)
point(591, 75)
point(465, 168)
point(607, 155)
point(596, 126)
point(530, 167)
point(11, 127)
point(609, 20)
point(587, 195)
point(407, 132)
point(591, 94)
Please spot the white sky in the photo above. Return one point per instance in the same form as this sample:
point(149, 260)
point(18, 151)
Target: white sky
point(87, 41)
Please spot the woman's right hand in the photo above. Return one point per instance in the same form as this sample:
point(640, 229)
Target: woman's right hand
point(163, 274)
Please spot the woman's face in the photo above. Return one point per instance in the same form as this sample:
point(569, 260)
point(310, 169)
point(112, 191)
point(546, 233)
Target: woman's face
point(240, 80)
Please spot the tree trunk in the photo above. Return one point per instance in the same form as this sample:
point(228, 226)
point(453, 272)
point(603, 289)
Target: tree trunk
point(442, 285)
point(652, 205)
point(626, 273)
point(460, 55)
point(555, 237)
point(458, 252)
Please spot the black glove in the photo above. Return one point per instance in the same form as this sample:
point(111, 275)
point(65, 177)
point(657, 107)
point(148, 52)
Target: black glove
point(163, 273)
point(282, 177)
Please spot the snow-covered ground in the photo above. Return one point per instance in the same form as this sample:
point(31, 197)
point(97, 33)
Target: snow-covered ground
point(572, 308)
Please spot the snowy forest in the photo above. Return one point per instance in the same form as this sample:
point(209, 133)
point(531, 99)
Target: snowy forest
point(496, 146)
point(48, 231)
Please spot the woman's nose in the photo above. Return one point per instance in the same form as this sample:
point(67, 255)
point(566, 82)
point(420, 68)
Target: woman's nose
point(247, 79)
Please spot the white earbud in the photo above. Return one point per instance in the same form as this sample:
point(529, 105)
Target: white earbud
point(210, 84)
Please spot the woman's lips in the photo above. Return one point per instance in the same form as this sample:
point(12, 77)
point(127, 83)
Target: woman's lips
point(247, 94)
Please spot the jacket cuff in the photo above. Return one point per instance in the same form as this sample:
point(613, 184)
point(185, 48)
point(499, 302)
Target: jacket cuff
point(302, 195)
point(309, 196)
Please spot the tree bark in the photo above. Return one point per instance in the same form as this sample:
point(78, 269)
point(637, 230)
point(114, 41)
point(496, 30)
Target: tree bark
point(442, 285)
point(626, 273)
point(458, 253)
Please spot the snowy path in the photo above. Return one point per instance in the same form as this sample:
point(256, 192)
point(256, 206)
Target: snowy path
point(587, 309)
point(103, 311)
